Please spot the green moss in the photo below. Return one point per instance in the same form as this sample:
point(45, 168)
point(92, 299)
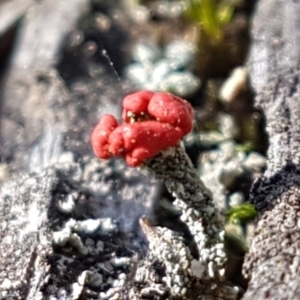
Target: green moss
point(211, 15)
point(245, 148)
point(241, 213)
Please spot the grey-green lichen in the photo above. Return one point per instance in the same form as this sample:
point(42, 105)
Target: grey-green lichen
point(165, 244)
point(201, 216)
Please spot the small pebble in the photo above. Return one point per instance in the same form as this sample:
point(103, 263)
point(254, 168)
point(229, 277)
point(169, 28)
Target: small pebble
point(145, 53)
point(234, 85)
point(236, 199)
point(182, 84)
point(138, 74)
point(180, 53)
point(255, 161)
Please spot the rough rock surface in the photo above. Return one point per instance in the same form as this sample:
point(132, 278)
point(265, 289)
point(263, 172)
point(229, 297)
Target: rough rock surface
point(63, 225)
point(69, 222)
point(61, 209)
point(272, 264)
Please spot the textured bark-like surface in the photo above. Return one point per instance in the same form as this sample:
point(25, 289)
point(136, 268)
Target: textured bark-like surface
point(25, 239)
point(273, 262)
point(60, 209)
point(35, 101)
point(60, 230)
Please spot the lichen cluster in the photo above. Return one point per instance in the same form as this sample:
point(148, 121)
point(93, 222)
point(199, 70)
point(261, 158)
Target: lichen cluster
point(202, 218)
point(168, 161)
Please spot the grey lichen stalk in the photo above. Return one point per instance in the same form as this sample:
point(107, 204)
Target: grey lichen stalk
point(169, 246)
point(201, 216)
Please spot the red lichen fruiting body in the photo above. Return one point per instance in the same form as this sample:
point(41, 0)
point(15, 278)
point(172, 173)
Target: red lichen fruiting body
point(168, 108)
point(140, 141)
point(136, 103)
point(153, 122)
point(100, 135)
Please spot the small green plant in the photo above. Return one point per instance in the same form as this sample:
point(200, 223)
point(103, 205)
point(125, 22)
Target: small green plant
point(211, 15)
point(241, 213)
point(245, 148)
